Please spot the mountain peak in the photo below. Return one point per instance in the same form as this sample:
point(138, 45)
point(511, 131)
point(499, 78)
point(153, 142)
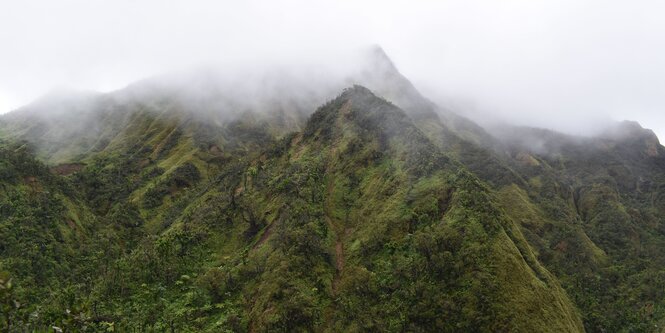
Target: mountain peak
point(637, 137)
point(380, 59)
point(627, 129)
point(355, 91)
point(382, 76)
point(355, 103)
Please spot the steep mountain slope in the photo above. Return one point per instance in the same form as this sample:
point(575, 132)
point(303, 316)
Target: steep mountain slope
point(403, 220)
point(595, 217)
point(198, 204)
point(358, 222)
point(112, 123)
point(69, 126)
point(44, 226)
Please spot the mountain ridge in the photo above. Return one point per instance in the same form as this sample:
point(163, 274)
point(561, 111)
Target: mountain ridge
point(360, 214)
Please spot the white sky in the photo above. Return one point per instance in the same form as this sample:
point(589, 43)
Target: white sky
point(564, 64)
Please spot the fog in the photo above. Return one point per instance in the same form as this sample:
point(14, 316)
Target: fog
point(571, 66)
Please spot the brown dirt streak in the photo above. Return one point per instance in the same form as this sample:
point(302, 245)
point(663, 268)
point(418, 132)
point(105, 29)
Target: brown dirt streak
point(67, 168)
point(339, 245)
point(264, 237)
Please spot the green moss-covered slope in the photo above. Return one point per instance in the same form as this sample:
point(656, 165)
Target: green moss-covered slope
point(359, 222)
point(156, 211)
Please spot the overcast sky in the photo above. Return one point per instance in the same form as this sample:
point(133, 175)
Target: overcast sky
point(567, 65)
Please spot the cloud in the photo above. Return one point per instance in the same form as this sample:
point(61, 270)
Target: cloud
point(567, 65)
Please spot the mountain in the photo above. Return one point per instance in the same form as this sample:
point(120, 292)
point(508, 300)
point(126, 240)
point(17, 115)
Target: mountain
point(196, 202)
point(601, 202)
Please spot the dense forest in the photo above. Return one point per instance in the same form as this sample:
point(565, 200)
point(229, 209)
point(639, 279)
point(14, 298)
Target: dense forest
point(375, 211)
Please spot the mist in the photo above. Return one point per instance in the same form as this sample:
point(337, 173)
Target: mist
point(571, 66)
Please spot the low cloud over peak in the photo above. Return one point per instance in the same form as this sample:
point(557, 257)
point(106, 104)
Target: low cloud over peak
point(566, 65)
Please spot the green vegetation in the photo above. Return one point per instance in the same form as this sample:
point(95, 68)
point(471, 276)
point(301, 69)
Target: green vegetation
point(592, 216)
point(364, 220)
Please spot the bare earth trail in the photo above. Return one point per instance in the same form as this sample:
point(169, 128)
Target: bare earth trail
point(339, 242)
point(264, 237)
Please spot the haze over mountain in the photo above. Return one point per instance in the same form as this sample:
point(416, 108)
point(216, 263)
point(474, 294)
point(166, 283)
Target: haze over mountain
point(205, 166)
point(320, 201)
point(563, 65)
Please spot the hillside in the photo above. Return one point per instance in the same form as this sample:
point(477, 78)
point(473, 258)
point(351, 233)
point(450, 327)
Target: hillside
point(599, 209)
point(165, 208)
